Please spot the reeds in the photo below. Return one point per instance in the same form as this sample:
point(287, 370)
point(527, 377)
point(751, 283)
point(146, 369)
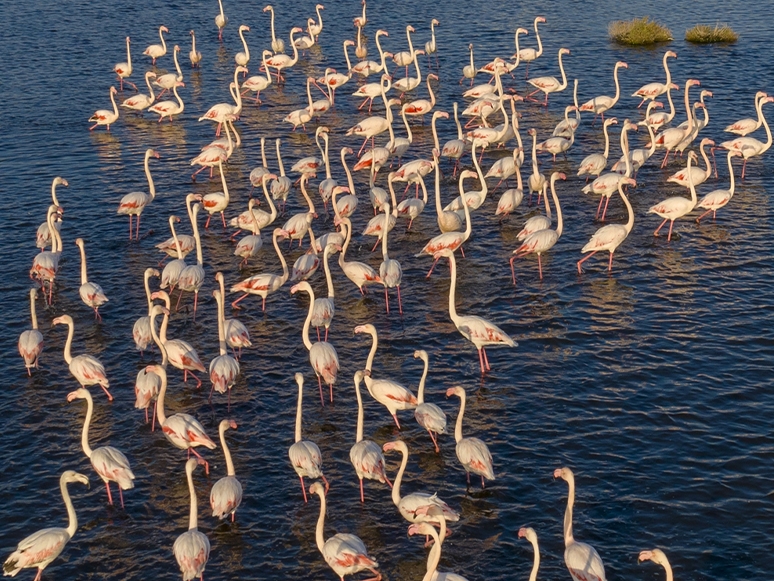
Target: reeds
point(706, 34)
point(638, 32)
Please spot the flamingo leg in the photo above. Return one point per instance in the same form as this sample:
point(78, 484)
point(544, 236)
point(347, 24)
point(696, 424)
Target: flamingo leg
point(121, 496)
point(362, 497)
point(107, 393)
point(582, 260)
point(483, 485)
point(660, 226)
point(153, 424)
point(326, 334)
point(110, 496)
point(610, 264)
point(397, 423)
point(481, 361)
point(429, 272)
point(330, 388)
point(435, 442)
point(604, 212)
point(234, 304)
point(206, 464)
point(319, 384)
point(387, 300)
point(303, 489)
point(400, 303)
point(669, 236)
point(130, 226)
point(327, 485)
point(513, 271)
point(704, 214)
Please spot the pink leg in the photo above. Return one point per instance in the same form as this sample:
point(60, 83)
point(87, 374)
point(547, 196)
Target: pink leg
point(107, 393)
point(486, 359)
point(121, 496)
point(387, 300)
point(206, 464)
point(319, 384)
point(234, 304)
point(610, 264)
point(702, 216)
point(604, 212)
point(429, 272)
point(483, 485)
point(435, 442)
point(540, 267)
point(397, 423)
point(659, 228)
point(303, 489)
point(669, 236)
point(153, 424)
point(378, 240)
point(400, 302)
point(513, 272)
point(130, 226)
point(110, 496)
point(582, 260)
point(362, 497)
point(481, 361)
point(330, 389)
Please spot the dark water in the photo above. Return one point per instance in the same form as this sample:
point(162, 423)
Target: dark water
point(652, 384)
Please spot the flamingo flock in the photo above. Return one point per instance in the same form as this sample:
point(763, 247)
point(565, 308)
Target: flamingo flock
point(321, 236)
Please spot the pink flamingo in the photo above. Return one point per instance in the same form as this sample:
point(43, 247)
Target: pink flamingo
point(147, 384)
point(263, 284)
point(745, 126)
point(582, 560)
point(550, 84)
point(132, 204)
point(305, 456)
point(226, 493)
point(366, 455)
point(31, 340)
point(676, 206)
point(192, 548)
point(86, 369)
point(428, 415)
point(109, 463)
point(472, 453)
point(181, 353)
point(653, 90)
point(717, 199)
point(224, 369)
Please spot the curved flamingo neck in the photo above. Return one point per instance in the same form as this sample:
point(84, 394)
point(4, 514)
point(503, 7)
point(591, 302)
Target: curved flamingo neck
point(244, 42)
point(177, 65)
point(53, 192)
point(221, 324)
point(327, 269)
point(607, 140)
point(72, 518)
point(113, 101)
point(421, 388)
point(299, 410)
point(535, 560)
point(435, 117)
point(617, 85)
point(360, 414)
point(766, 145)
point(321, 523)
point(409, 134)
point(568, 538)
point(159, 343)
point(382, 56)
point(284, 264)
point(385, 232)
point(150, 88)
point(306, 195)
point(630, 222)
point(730, 191)
point(667, 570)
point(350, 183)
point(151, 186)
point(197, 239)
point(372, 353)
point(86, 423)
point(435, 553)
point(458, 425)
point(84, 275)
point(279, 159)
point(163, 42)
point(160, 414)
point(273, 213)
point(294, 60)
point(539, 42)
point(671, 104)
point(33, 313)
point(666, 69)
point(625, 148)
point(308, 322)
point(399, 477)
point(563, 86)
point(346, 56)
point(690, 182)
point(453, 288)
point(128, 53)
point(56, 238)
point(559, 222)
point(68, 357)
point(706, 159)
point(193, 517)
point(347, 226)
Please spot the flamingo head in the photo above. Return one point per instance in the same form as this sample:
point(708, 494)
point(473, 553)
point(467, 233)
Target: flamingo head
point(164, 29)
point(421, 354)
point(244, 28)
point(317, 488)
point(319, 7)
point(655, 555)
point(191, 33)
point(532, 131)
point(563, 473)
point(368, 328)
point(611, 121)
point(434, 76)
point(561, 176)
point(73, 476)
point(268, 8)
point(456, 390)
point(399, 445)
point(622, 65)
point(523, 31)
point(470, 46)
point(231, 424)
point(671, 53)
point(528, 533)
point(410, 28)
point(692, 83)
point(63, 320)
point(381, 32)
point(349, 42)
point(154, 272)
point(78, 394)
point(422, 528)
point(155, 153)
point(296, 29)
point(540, 19)
point(113, 90)
point(628, 181)
point(564, 51)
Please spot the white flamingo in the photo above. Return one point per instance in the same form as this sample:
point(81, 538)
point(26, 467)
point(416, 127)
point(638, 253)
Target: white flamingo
point(428, 415)
point(305, 456)
point(226, 493)
point(192, 548)
point(31, 341)
point(263, 284)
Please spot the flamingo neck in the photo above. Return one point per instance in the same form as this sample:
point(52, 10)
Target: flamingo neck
point(347, 228)
point(221, 324)
point(68, 345)
point(306, 197)
point(668, 570)
point(86, 423)
point(453, 286)
point(690, 182)
point(84, 275)
point(56, 238)
point(128, 54)
point(607, 140)
point(34, 315)
point(411, 45)
point(575, 99)
point(72, 518)
point(438, 208)
point(294, 60)
point(150, 88)
point(766, 146)
point(385, 232)
point(666, 69)
point(308, 322)
point(320, 524)
point(160, 414)
point(279, 159)
point(421, 388)
point(359, 433)
point(223, 176)
point(193, 36)
point(537, 37)
point(273, 213)
point(349, 64)
point(535, 170)
point(177, 65)
point(382, 56)
point(706, 159)
point(193, 517)
point(159, 343)
point(630, 222)
point(268, 78)
point(372, 353)
point(163, 42)
point(435, 118)
point(164, 323)
point(151, 186)
point(285, 273)
point(625, 148)
point(568, 538)
point(53, 193)
point(399, 478)
point(730, 191)
point(113, 101)
point(617, 85)
point(671, 104)
point(435, 553)
point(652, 134)
point(688, 108)
point(226, 452)
point(244, 43)
point(237, 94)
point(197, 239)
point(458, 425)
point(273, 37)
point(519, 183)
point(563, 86)
point(559, 223)
point(535, 561)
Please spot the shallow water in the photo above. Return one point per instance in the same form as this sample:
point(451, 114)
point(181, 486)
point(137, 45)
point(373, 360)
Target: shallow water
point(652, 383)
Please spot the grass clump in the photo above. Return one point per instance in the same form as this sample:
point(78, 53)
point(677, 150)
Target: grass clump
point(638, 32)
point(706, 34)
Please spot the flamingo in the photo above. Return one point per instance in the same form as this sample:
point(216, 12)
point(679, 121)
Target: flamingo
point(658, 557)
point(511, 198)
point(299, 224)
point(368, 67)
point(390, 270)
point(215, 202)
point(475, 329)
point(600, 105)
point(257, 173)
point(258, 83)
point(594, 164)
point(280, 187)
point(322, 355)
point(538, 222)
point(43, 234)
point(676, 206)
point(224, 369)
point(411, 208)
point(455, 148)
point(405, 58)
point(582, 560)
point(46, 264)
point(556, 145)
point(638, 157)
point(469, 71)
point(472, 453)
point(324, 307)
point(141, 330)
point(222, 111)
point(147, 384)
point(242, 58)
point(653, 90)
point(31, 341)
point(345, 553)
point(194, 55)
point(41, 548)
point(698, 175)
point(530, 54)
point(213, 154)
point(410, 83)
point(550, 84)
point(132, 204)
point(672, 137)
point(361, 21)
point(358, 272)
point(283, 61)
point(109, 463)
point(220, 21)
point(91, 293)
point(141, 102)
point(749, 146)
point(277, 44)
point(182, 430)
point(537, 181)
point(448, 221)
point(192, 548)
point(305, 456)
point(717, 199)
point(169, 108)
point(449, 240)
point(325, 189)
point(156, 51)
point(171, 273)
point(542, 240)
point(124, 70)
point(249, 246)
point(422, 106)
point(745, 126)
point(181, 353)
point(263, 284)
point(430, 46)
point(316, 27)
point(411, 505)
point(529, 534)
point(366, 455)
point(170, 80)
point(371, 126)
point(192, 276)
point(434, 556)
point(391, 395)
point(335, 80)
point(226, 493)
point(237, 335)
point(301, 116)
point(262, 219)
point(428, 415)
point(86, 369)
point(606, 183)
point(105, 116)
point(611, 236)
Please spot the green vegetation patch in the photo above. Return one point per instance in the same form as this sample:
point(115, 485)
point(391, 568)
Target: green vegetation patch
point(706, 34)
point(638, 32)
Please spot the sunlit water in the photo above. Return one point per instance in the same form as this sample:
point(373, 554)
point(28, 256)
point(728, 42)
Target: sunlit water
point(652, 384)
